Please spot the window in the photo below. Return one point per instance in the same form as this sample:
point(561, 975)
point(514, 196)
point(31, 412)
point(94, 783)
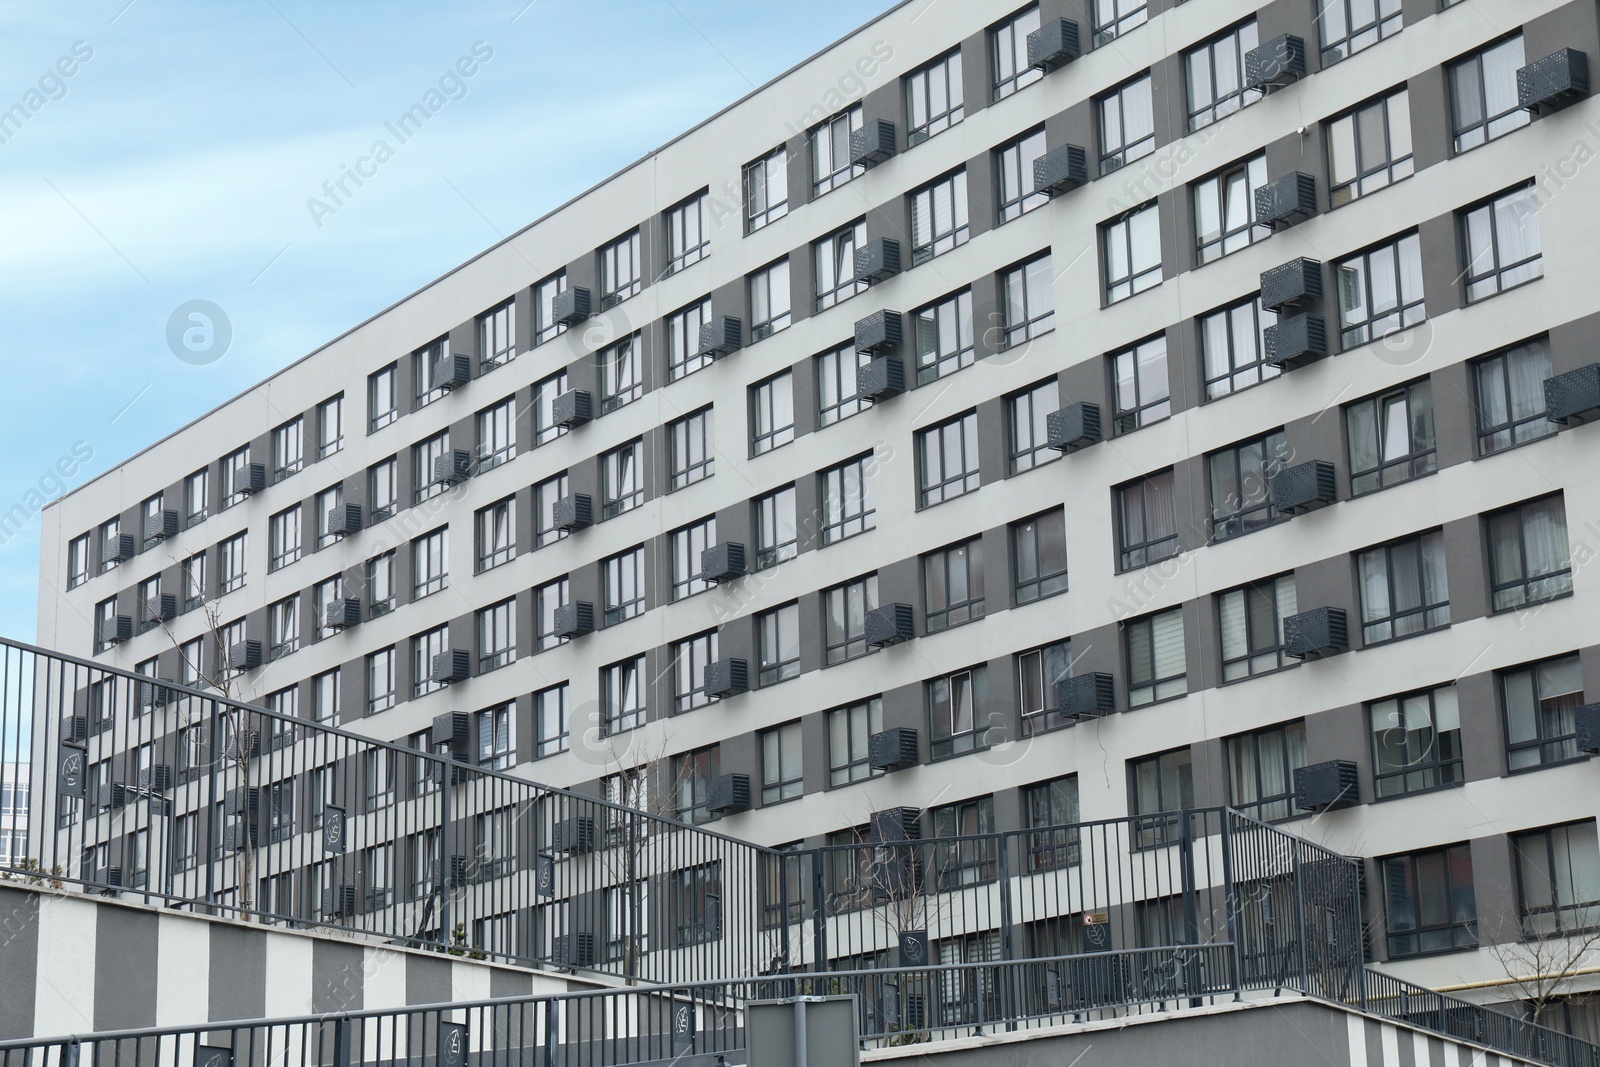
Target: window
point(780, 764)
point(322, 595)
point(1148, 520)
point(845, 609)
point(1225, 210)
point(939, 217)
point(545, 326)
point(1143, 394)
point(697, 891)
point(497, 336)
point(235, 477)
point(545, 392)
point(231, 560)
point(1428, 901)
point(283, 538)
point(952, 584)
point(430, 565)
point(1039, 671)
point(425, 457)
point(380, 583)
point(693, 772)
point(380, 680)
point(1162, 784)
point(190, 655)
point(1539, 702)
point(1052, 812)
point(624, 687)
point(1528, 558)
point(283, 626)
point(683, 340)
point(197, 495)
point(766, 189)
point(497, 534)
point(1039, 554)
point(624, 578)
point(953, 703)
point(1502, 243)
point(550, 710)
point(1029, 301)
point(423, 363)
point(1029, 413)
point(687, 240)
point(545, 497)
point(944, 337)
point(1014, 176)
point(78, 561)
point(777, 537)
point(1132, 249)
point(1416, 742)
point(835, 257)
point(382, 401)
point(1369, 148)
point(547, 598)
point(778, 631)
point(621, 374)
point(848, 505)
point(1558, 879)
point(1241, 485)
point(1233, 343)
point(1404, 588)
point(325, 504)
point(687, 544)
point(967, 861)
point(836, 384)
point(288, 449)
point(622, 479)
point(1251, 619)
point(1156, 661)
point(769, 300)
point(830, 151)
point(849, 729)
point(947, 460)
point(934, 98)
point(771, 413)
point(690, 657)
point(325, 696)
point(1008, 53)
point(1511, 408)
point(1348, 26)
point(497, 635)
point(1261, 768)
point(105, 616)
point(693, 451)
point(1113, 18)
point(425, 648)
point(1127, 124)
point(497, 434)
point(496, 738)
point(110, 533)
point(383, 490)
point(619, 271)
point(1216, 75)
point(1483, 94)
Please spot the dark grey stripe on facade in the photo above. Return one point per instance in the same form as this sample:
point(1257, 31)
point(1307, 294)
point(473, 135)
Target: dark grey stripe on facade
point(338, 976)
point(126, 948)
point(504, 983)
point(1374, 1035)
point(19, 961)
point(238, 973)
point(427, 981)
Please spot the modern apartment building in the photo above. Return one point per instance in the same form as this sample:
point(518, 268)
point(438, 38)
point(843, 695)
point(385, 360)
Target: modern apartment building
point(1019, 416)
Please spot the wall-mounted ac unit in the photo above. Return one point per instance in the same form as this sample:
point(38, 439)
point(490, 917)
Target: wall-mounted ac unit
point(1586, 722)
point(342, 613)
point(723, 562)
point(572, 408)
point(1296, 341)
point(1292, 285)
point(1325, 786)
point(728, 793)
point(892, 749)
point(893, 826)
point(119, 548)
point(573, 512)
point(873, 143)
point(116, 629)
point(877, 260)
point(1286, 200)
point(1276, 64)
point(1054, 44)
point(574, 619)
point(573, 835)
point(1073, 427)
point(163, 607)
point(879, 331)
point(162, 525)
point(451, 666)
point(571, 306)
point(344, 519)
point(452, 372)
point(889, 625)
point(1573, 398)
point(1304, 487)
point(1087, 696)
point(880, 379)
point(244, 656)
point(452, 468)
point(1551, 83)
point(726, 677)
point(339, 902)
point(452, 728)
point(1060, 170)
point(572, 950)
point(721, 336)
point(1318, 632)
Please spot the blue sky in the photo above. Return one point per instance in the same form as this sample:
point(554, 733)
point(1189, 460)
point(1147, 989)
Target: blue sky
point(176, 161)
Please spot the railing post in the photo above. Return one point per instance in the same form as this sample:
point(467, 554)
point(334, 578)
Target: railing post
point(1191, 913)
point(1300, 922)
point(551, 1052)
point(341, 1042)
point(1231, 901)
point(819, 912)
point(446, 850)
point(1008, 977)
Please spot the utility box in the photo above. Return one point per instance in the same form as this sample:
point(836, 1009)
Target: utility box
point(772, 1028)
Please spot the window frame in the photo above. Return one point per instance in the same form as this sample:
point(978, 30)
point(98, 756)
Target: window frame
point(1422, 767)
point(1499, 585)
point(1161, 686)
point(1434, 613)
point(1499, 278)
point(935, 485)
point(919, 87)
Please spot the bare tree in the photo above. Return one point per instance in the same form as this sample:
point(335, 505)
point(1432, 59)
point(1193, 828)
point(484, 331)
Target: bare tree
point(1540, 960)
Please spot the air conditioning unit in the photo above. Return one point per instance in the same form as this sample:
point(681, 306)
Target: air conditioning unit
point(1293, 285)
point(873, 143)
point(75, 728)
point(882, 378)
point(574, 619)
point(250, 479)
point(111, 876)
point(1060, 170)
point(1296, 341)
point(889, 625)
point(1286, 200)
point(571, 306)
point(1073, 427)
point(720, 336)
point(344, 519)
point(1304, 487)
point(462, 768)
point(894, 826)
point(1087, 696)
point(160, 526)
point(151, 695)
point(573, 835)
point(242, 808)
point(121, 795)
point(878, 331)
point(375, 899)
point(723, 562)
point(572, 950)
point(451, 666)
point(572, 408)
point(453, 728)
point(877, 260)
point(339, 902)
point(726, 677)
point(573, 512)
point(244, 656)
point(728, 793)
point(892, 749)
point(452, 876)
point(1573, 398)
point(1553, 82)
point(1325, 786)
point(452, 372)
point(1054, 44)
point(452, 468)
point(115, 630)
point(119, 548)
point(1319, 632)
point(341, 613)
point(156, 779)
point(162, 607)
point(1586, 722)
point(1276, 64)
